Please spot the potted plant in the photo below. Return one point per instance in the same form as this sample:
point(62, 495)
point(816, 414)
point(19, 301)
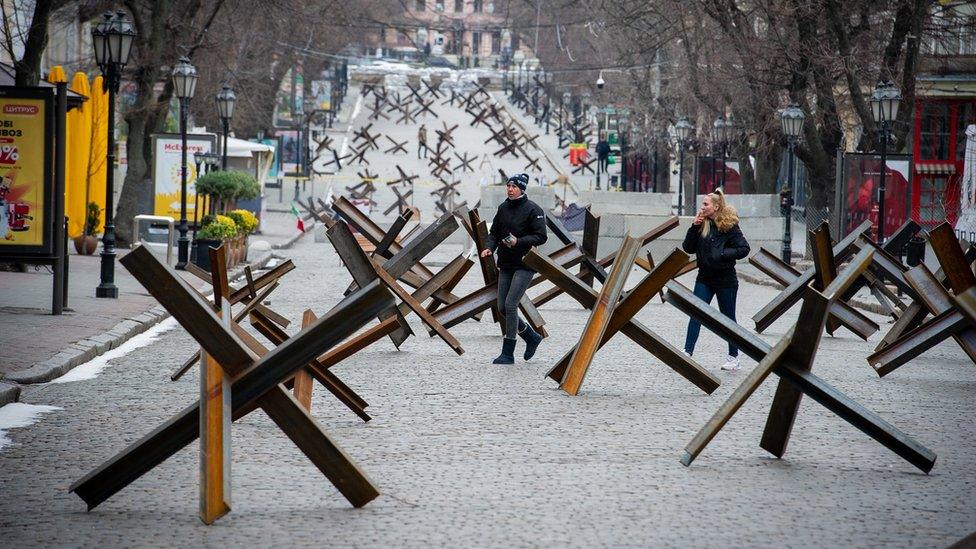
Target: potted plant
point(246, 224)
point(86, 243)
point(215, 230)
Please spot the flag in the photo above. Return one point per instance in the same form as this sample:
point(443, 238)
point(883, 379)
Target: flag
point(301, 225)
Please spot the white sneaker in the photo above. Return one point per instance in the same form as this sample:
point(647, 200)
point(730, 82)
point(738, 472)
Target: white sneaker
point(686, 353)
point(731, 363)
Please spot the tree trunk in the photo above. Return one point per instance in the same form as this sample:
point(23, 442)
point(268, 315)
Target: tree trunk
point(28, 67)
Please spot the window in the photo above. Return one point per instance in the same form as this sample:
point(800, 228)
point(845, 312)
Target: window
point(934, 134)
point(421, 5)
point(932, 200)
point(496, 42)
point(458, 6)
point(478, 5)
point(476, 43)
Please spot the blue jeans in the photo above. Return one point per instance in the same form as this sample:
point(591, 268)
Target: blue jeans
point(511, 287)
point(726, 304)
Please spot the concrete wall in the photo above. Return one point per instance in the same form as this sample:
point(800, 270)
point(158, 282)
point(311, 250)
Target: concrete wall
point(636, 213)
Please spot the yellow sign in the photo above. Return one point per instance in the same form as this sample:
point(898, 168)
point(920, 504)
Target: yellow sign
point(23, 174)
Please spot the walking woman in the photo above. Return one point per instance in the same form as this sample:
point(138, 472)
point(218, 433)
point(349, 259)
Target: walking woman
point(717, 243)
point(519, 225)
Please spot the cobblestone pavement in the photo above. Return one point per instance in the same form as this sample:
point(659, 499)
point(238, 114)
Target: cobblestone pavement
point(470, 454)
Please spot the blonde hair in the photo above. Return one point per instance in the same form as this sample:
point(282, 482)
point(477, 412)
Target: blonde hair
point(725, 214)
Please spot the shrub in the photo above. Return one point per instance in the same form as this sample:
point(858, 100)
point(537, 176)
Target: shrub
point(229, 185)
point(221, 228)
point(93, 217)
point(245, 220)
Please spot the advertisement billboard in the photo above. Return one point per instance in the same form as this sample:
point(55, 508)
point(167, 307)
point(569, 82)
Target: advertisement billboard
point(167, 160)
point(26, 177)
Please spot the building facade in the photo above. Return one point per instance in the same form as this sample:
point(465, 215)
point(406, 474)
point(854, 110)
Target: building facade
point(945, 106)
point(466, 32)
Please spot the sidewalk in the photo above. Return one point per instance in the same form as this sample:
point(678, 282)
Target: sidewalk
point(36, 347)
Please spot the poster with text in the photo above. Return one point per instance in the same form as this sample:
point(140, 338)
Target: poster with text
point(25, 174)
point(167, 162)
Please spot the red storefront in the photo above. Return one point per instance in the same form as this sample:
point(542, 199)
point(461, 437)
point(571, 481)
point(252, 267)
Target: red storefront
point(938, 148)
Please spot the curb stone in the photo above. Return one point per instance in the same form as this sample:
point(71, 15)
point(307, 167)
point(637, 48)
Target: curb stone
point(80, 352)
point(291, 241)
point(8, 393)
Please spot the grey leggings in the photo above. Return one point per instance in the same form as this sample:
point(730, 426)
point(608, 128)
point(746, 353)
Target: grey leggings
point(511, 288)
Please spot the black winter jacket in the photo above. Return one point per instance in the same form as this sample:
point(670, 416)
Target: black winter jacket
point(716, 254)
point(523, 219)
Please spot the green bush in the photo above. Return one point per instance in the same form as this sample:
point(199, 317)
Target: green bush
point(221, 228)
point(93, 217)
point(229, 185)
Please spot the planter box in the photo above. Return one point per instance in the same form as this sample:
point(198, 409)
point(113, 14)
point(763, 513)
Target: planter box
point(235, 250)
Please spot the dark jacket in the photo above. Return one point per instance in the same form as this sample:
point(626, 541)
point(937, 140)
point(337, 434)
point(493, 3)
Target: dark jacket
point(523, 219)
point(716, 254)
point(602, 149)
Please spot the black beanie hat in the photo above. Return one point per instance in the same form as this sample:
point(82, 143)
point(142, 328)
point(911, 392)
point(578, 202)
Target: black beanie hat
point(520, 180)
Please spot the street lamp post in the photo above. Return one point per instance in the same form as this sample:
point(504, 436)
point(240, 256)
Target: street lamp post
point(226, 99)
point(112, 41)
point(884, 108)
point(722, 129)
point(792, 118)
point(682, 131)
point(184, 85)
point(624, 127)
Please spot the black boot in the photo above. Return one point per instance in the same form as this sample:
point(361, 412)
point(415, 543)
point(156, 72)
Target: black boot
point(508, 352)
point(532, 340)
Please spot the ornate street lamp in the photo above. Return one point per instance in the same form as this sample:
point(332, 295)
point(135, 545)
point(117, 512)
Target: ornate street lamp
point(112, 41)
point(884, 107)
point(225, 108)
point(682, 130)
point(184, 85)
point(792, 118)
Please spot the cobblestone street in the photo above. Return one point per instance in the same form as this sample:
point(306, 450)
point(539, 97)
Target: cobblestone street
point(470, 454)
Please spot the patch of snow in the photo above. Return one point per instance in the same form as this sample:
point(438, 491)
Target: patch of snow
point(18, 415)
point(93, 367)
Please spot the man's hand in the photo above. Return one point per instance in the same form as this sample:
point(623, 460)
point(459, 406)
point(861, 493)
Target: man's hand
point(486, 252)
point(511, 241)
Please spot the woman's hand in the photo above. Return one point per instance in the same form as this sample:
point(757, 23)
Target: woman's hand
point(699, 217)
point(486, 252)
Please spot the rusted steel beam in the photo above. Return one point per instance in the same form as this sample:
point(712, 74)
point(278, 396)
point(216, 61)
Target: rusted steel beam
point(419, 310)
point(483, 298)
point(256, 381)
point(782, 360)
point(600, 317)
point(375, 333)
point(790, 295)
point(948, 322)
point(608, 260)
point(194, 313)
point(952, 258)
point(637, 332)
point(359, 266)
point(343, 393)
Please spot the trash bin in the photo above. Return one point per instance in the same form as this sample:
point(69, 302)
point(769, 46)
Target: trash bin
point(915, 251)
